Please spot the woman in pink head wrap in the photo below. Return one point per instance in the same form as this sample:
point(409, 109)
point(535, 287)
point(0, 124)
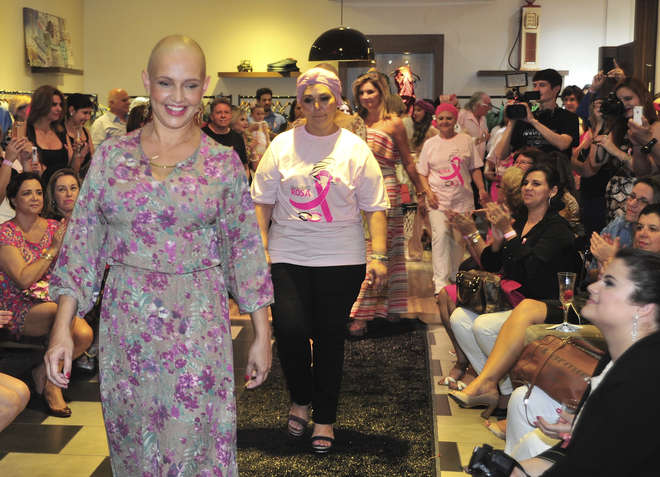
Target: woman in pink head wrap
point(386, 136)
point(447, 165)
point(309, 189)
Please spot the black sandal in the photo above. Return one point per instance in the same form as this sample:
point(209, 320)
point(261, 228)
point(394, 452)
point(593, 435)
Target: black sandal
point(294, 432)
point(318, 449)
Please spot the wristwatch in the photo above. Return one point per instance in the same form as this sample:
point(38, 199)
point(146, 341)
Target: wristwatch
point(646, 148)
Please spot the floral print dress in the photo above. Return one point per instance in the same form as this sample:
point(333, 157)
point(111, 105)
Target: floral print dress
point(12, 298)
point(175, 248)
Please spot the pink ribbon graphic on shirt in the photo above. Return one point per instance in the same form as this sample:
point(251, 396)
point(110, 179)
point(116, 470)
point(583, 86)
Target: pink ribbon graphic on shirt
point(322, 191)
point(456, 165)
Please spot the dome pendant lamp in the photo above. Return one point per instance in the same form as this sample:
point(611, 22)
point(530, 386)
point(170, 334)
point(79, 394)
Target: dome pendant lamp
point(341, 44)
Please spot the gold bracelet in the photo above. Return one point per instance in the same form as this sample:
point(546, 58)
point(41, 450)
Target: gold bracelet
point(48, 256)
point(379, 257)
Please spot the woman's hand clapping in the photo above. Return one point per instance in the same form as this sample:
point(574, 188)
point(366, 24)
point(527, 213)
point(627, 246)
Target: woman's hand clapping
point(461, 222)
point(5, 317)
point(499, 216)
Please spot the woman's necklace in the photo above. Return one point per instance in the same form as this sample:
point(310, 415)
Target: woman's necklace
point(159, 166)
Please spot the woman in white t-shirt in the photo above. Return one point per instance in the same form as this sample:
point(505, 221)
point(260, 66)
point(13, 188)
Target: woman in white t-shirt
point(448, 164)
point(309, 189)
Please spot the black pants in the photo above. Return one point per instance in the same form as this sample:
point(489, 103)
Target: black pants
point(313, 303)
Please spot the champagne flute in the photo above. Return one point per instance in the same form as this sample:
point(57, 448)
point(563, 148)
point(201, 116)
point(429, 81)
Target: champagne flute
point(566, 291)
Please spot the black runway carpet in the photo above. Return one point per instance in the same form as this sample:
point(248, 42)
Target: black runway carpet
point(385, 417)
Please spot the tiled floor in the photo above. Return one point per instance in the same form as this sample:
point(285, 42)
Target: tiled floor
point(36, 445)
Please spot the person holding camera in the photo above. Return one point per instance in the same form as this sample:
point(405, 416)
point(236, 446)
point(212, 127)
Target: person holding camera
point(550, 128)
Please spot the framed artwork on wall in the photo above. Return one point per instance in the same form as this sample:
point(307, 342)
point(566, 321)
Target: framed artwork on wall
point(47, 42)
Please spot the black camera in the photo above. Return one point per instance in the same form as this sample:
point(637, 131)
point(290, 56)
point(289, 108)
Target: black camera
point(515, 80)
point(517, 110)
point(488, 462)
point(611, 106)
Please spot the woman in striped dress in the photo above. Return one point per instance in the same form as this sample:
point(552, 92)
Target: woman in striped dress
point(386, 136)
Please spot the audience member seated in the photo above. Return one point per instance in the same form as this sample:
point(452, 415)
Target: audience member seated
point(61, 194)
point(631, 92)
point(28, 246)
point(511, 338)
point(620, 231)
point(571, 210)
point(45, 130)
point(79, 109)
point(524, 159)
point(14, 394)
point(625, 305)
point(531, 251)
point(550, 128)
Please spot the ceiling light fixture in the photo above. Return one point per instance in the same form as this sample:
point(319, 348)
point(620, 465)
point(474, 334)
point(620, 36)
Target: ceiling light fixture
point(341, 44)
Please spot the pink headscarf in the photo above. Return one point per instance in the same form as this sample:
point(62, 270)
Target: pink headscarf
point(319, 76)
point(446, 107)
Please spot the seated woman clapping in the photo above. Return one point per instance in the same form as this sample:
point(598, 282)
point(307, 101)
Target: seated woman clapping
point(530, 250)
point(522, 440)
point(609, 435)
point(29, 245)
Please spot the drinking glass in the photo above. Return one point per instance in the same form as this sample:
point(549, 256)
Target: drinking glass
point(566, 292)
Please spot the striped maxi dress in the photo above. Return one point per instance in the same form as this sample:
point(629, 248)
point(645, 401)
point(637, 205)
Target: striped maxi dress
point(393, 298)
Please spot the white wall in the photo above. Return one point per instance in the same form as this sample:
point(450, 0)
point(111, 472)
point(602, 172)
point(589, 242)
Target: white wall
point(120, 33)
point(14, 74)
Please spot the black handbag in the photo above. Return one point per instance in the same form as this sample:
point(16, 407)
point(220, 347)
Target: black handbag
point(480, 292)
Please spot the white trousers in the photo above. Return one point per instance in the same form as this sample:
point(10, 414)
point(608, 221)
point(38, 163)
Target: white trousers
point(523, 440)
point(476, 335)
point(447, 249)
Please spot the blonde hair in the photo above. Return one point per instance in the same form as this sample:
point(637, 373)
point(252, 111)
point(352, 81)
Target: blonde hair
point(380, 83)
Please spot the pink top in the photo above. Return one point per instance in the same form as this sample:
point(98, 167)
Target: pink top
point(448, 164)
point(318, 185)
point(477, 129)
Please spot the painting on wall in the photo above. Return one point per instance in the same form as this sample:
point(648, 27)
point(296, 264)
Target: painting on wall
point(47, 43)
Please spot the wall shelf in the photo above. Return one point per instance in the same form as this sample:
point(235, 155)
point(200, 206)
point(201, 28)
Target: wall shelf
point(492, 73)
point(258, 74)
point(55, 69)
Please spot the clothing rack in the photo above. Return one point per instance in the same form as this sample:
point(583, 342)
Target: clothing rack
point(278, 106)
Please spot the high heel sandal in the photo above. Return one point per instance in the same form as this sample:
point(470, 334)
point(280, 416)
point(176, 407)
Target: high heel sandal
point(66, 412)
point(295, 432)
point(489, 400)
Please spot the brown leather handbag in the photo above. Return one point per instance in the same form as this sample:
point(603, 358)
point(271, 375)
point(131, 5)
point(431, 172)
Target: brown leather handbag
point(480, 292)
point(562, 367)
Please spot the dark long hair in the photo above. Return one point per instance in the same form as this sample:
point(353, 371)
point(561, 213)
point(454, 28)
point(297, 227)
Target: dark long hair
point(42, 101)
point(421, 128)
point(645, 100)
point(644, 272)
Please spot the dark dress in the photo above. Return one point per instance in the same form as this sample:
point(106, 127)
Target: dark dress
point(611, 437)
point(53, 159)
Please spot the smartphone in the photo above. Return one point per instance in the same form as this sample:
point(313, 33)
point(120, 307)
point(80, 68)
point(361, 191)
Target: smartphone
point(16, 127)
point(637, 114)
point(35, 155)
